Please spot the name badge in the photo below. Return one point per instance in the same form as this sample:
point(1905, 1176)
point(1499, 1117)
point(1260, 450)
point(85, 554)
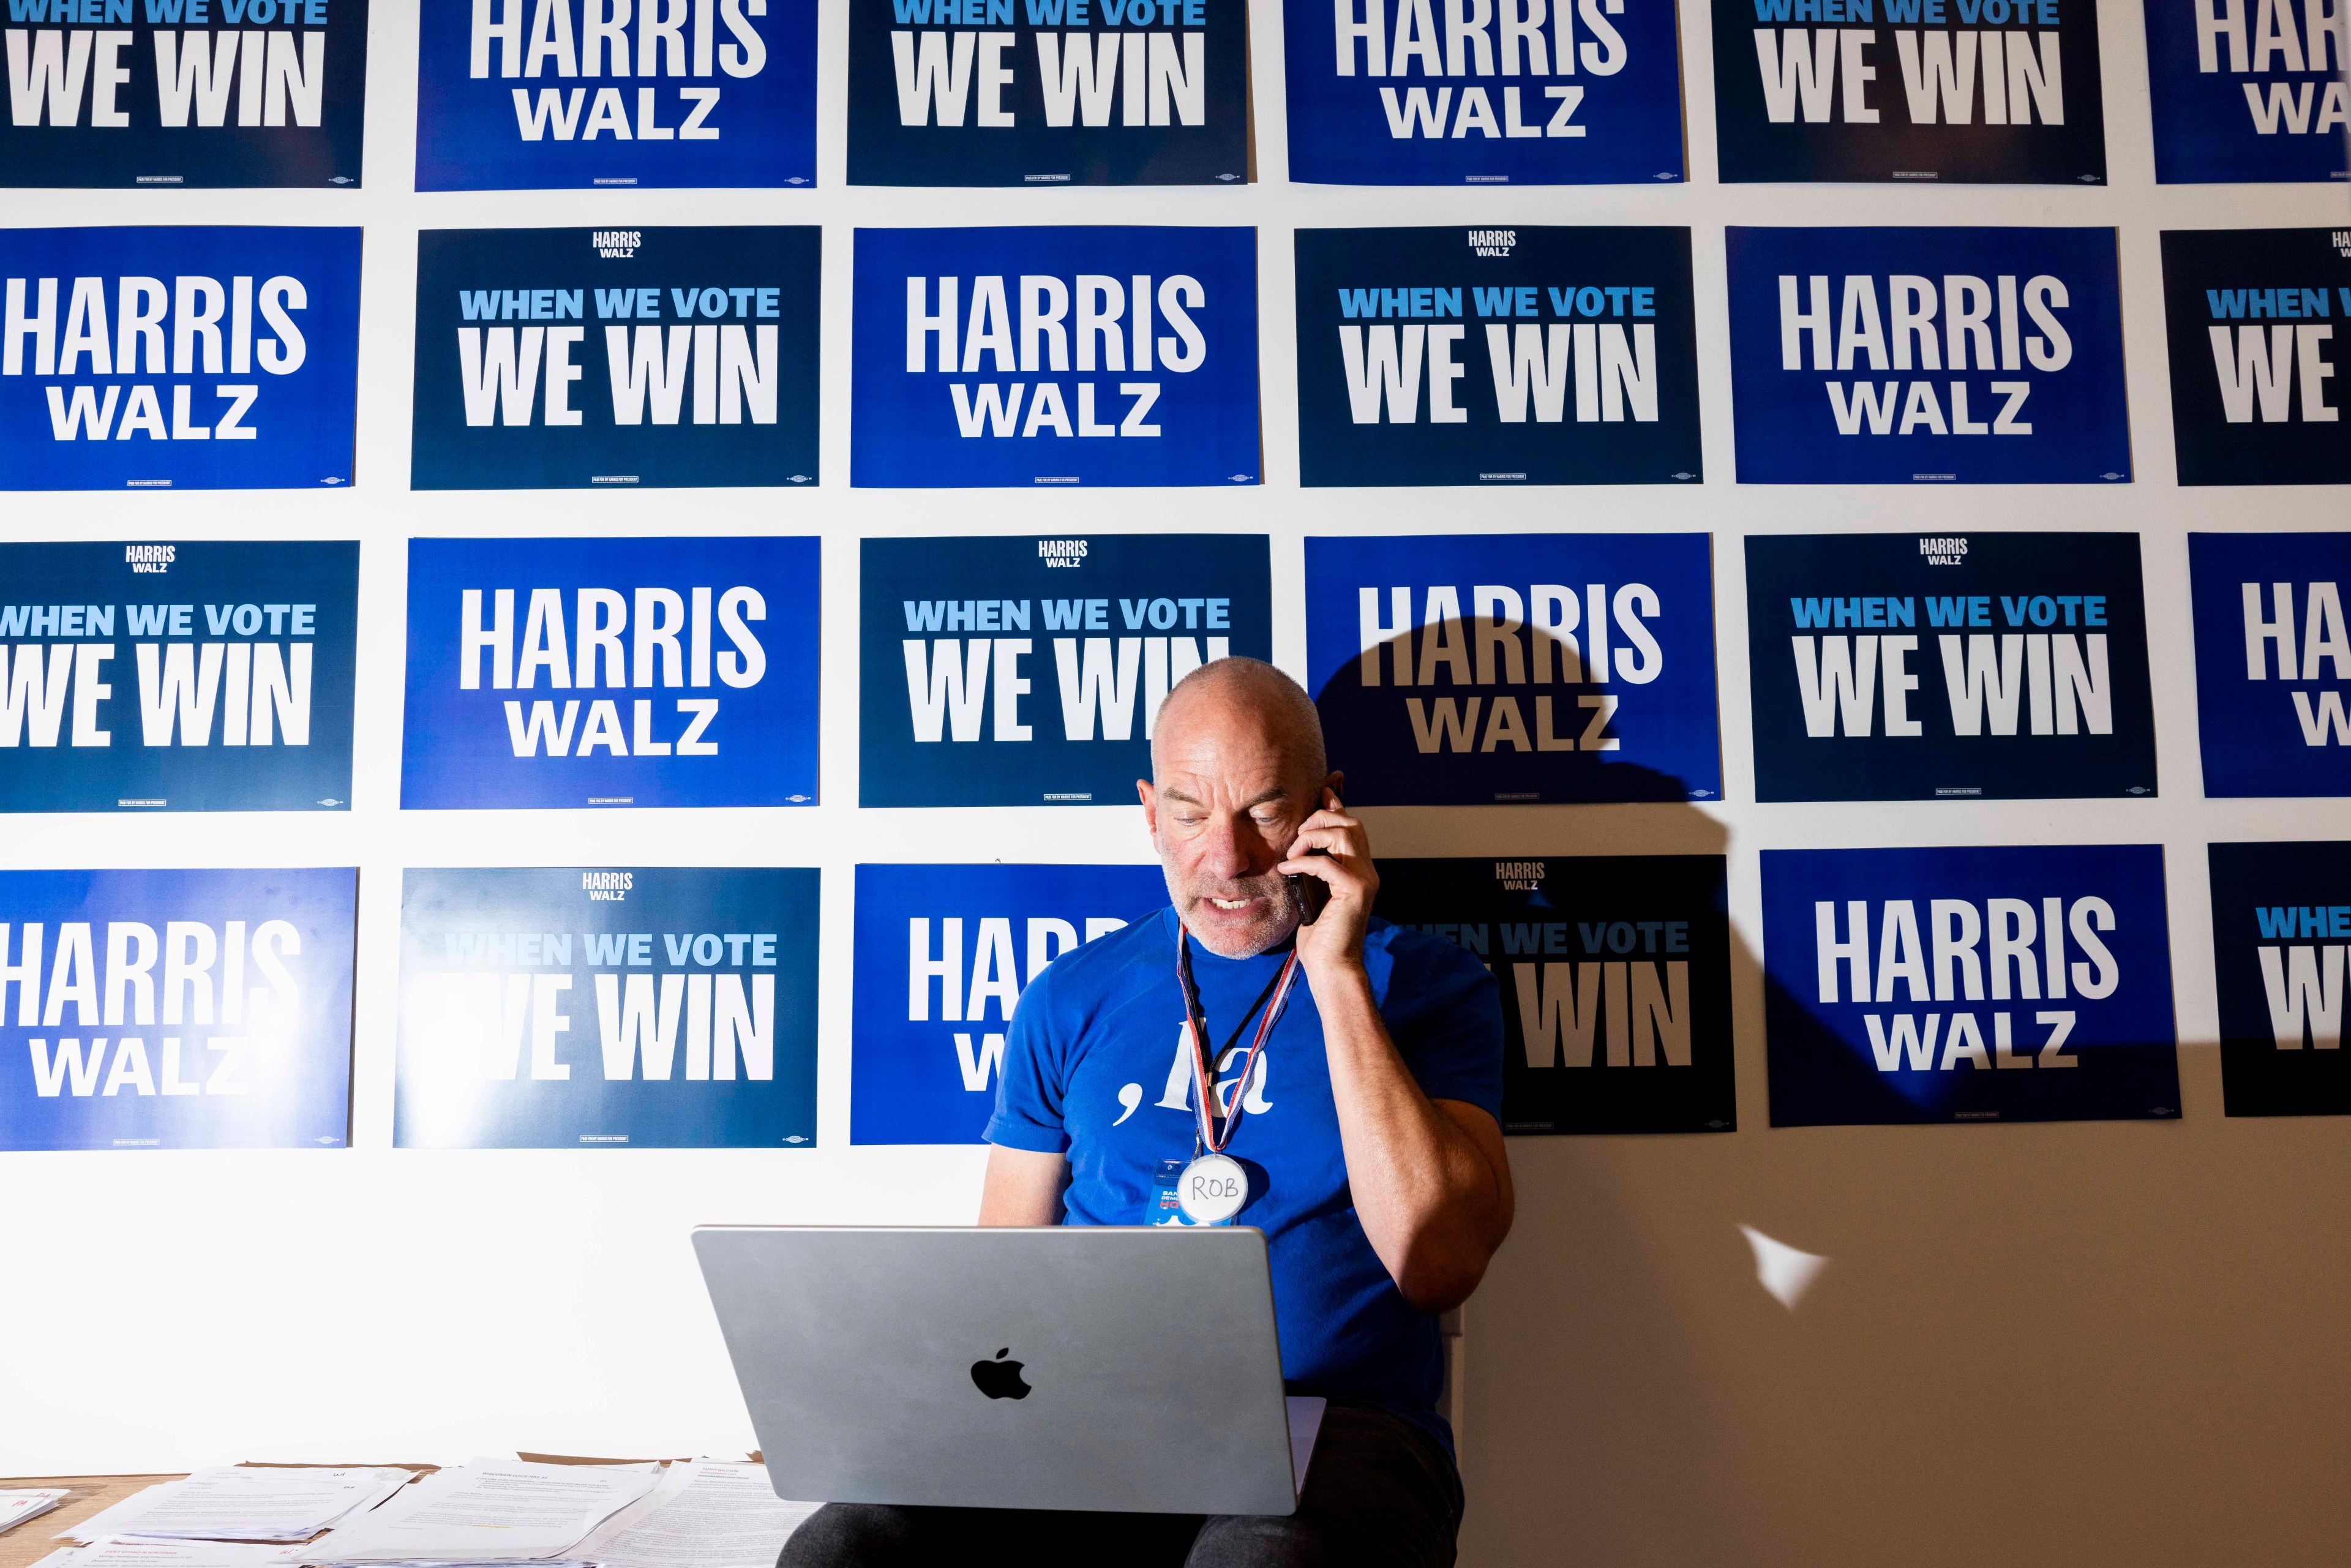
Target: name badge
point(1212, 1189)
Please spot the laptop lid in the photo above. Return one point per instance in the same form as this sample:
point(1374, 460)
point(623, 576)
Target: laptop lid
point(1085, 1367)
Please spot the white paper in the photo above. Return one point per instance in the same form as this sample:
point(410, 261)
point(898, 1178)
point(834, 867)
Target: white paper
point(489, 1510)
point(119, 1552)
point(258, 1504)
point(702, 1515)
point(22, 1503)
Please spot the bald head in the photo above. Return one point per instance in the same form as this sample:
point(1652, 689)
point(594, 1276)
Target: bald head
point(1248, 695)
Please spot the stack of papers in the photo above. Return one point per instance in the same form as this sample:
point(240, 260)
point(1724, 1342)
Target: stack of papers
point(702, 1515)
point(16, 1507)
point(127, 1552)
point(490, 1511)
point(244, 1504)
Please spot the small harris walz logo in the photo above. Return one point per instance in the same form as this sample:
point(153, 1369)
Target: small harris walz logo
point(1520, 876)
point(1944, 550)
point(1492, 241)
point(154, 559)
point(607, 886)
point(1070, 553)
point(616, 245)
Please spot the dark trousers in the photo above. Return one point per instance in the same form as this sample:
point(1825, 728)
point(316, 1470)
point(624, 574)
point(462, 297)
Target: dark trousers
point(1380, 1492)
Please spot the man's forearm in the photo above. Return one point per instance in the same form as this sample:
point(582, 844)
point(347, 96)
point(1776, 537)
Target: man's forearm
point(1429, 1198)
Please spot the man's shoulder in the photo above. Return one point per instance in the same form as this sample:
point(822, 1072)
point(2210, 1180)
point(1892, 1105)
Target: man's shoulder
point(1085, 974)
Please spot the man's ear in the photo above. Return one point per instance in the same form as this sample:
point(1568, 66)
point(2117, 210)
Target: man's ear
point(1150, 799)
point(1336, 783)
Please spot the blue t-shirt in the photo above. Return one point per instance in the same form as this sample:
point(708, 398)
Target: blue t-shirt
point(1096, 1067)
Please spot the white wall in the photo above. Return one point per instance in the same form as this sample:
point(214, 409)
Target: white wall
point(2085, 1344)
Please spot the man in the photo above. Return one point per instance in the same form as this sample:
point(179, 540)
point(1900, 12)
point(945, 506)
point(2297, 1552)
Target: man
point(1366, 1128)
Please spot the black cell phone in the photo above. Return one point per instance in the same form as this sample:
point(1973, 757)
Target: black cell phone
point(1312, 893)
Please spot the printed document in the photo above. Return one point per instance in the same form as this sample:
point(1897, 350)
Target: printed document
point(702, 1515)
point(235, 1503)
point(22, 1503)
point(501, 1510)
point(119, 1552)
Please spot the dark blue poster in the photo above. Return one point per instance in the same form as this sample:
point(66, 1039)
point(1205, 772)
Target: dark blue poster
point(610, 671)
point(1948, 91)
point(1948, 667)
point(2273, 662)
point(1054, 356)
point(955, 712)
point(2251, 316)
point(181, 676)
point(524, 95)
point(2280, 926)
point(1571, 667)
point(241, 372)
point(1047, 92)
point(176, 92)
point(1484, 356)
point(176, 1010)
point(1579, 92)
point(942, 955)
point(1979, 356)
point(1616, 977)
point(2007, 984)
point(577, 359)
point(572, 1007)
point(2247, 90)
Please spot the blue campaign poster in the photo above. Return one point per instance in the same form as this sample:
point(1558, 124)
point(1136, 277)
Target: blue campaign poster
point(575, 1006)
point(942, 955)
point(2257, 321)
point(706, 648)
point(171, 93)
point(1987, 91)
point(239, 373)
point(1054, 356)
point(556, 359)
point(1552, 356)
point(1047, 92)
point(177, 676)
point(2273, 662)
point(526, 95)
point(2007, 984)
point(1572, 666)
point(2247, 90)
point(1948, 666)
point(1578, 92)
point(1978, 356)
point(1061, 714)
point(1615, 980)
point(176, 1010)
point(2279, 935)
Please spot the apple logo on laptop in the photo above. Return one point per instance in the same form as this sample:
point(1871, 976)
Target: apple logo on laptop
point(999, 1379)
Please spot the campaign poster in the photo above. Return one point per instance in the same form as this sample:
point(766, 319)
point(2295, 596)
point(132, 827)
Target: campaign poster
point(1885, 355)
point(942, 955)
point(265, 92)
point(532, 95)
point(2250, 317)
point(1047, 657)
point(1580, 93)
point(1987, 983)
point(2281, 920)
point(1948, 667)
point(1497, 356)
point(1047, 92)
point(1616, 978)
point(2248, 92)
point(2273, 662)
point(1572, 667)
point(547, 672)
point(1054, 357)
point(600, 1007)
point(176, 1010)
point(185, 358)
point(1935, 91)
point(590, 359)
point(177, 676)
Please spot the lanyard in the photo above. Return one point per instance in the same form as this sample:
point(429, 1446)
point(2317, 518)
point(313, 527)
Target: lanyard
point(1204, 1079)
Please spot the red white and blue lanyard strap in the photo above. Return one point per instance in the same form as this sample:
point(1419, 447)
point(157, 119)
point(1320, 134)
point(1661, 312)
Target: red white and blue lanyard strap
point(1204, 1077)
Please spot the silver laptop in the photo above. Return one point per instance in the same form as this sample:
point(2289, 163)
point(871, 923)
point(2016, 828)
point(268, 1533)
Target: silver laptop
point(1088, 1367)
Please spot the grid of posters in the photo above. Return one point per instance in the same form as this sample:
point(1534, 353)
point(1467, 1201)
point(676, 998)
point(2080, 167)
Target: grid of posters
point(602, 1007)
point(1948, 667)
point(954, 712)
point(555, 358)
point(176, 1010)
point(1484, 355)
point(1515, 668)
